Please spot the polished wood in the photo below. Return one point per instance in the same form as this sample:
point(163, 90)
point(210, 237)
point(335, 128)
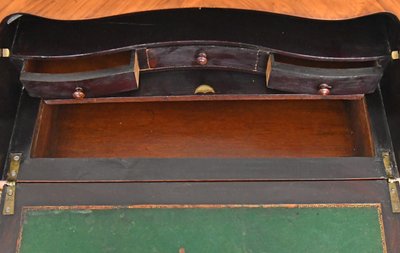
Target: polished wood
point(89, 9)
point(208, 97)
point(315, 128)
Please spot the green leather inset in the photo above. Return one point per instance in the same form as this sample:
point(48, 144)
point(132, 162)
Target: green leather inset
point(204, 230)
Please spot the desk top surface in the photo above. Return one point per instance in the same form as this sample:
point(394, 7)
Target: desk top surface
point(89, 9)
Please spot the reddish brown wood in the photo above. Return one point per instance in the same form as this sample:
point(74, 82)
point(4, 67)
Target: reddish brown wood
point(295, 128)
point(219, 97)
point(360, 120)
point(324, 78)
point(81, 77)
point(79, 64)
point(46, 128)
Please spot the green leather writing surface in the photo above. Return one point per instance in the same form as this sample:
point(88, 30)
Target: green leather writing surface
point(212, 229)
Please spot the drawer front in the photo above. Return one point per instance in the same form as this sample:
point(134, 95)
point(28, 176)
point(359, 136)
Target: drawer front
point(70, 87)
point(197, 56)
point(323, 78)
point(90, 76)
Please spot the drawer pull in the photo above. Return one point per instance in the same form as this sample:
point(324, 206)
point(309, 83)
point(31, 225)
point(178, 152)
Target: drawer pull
point(324, 89)
point(78, 93)
point(202, 58)
point(204, 89)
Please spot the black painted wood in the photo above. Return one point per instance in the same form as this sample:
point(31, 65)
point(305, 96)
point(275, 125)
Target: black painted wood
point(10, 91)
point(139, 169)
point(391, 98)
point(381, 133)
point(365, 37)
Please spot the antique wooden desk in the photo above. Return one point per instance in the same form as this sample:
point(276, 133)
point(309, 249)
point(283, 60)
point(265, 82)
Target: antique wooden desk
point(199, 126)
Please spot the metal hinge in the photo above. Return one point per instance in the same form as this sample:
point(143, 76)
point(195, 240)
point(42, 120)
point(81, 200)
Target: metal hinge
point(393, 191)
point(10, 184)
point(4, 53)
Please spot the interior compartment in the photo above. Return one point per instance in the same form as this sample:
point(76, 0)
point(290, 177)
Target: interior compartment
point(204, 129)
point(79, 64)
point(323, 63)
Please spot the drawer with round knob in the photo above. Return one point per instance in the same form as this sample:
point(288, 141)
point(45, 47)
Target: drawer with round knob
point(320, 77)
point(80, 77)
point(206, 56)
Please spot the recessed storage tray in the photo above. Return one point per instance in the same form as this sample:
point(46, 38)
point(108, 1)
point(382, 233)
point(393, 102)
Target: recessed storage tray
point(202, 129)
point(297, 75)
point(95, 75)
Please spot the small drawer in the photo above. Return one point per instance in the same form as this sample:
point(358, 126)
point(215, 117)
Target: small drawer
point(322, 77)
point(80, 77)
point(205, 56)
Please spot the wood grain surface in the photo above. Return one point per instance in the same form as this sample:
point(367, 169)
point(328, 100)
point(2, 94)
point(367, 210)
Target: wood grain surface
point(203, 129)
point(88, 9)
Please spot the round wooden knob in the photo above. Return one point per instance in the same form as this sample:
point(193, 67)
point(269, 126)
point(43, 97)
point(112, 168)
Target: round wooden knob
point(202, 58)
point(78, 93)
point(324, 89)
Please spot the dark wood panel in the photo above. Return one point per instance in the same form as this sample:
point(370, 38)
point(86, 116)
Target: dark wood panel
point(170, 169)
point(212, 56)
point(315, 128)
point(10, 91)
point(391, 97)
point(313, 38)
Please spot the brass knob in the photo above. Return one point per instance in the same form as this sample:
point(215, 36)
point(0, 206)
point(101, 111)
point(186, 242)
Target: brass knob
point(324, 89)
point(202, 58)
point(78, 93)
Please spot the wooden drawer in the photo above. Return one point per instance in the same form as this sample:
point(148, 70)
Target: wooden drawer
point(206, 56)
point(205, 129)
point(322, 77)
point(87, 76)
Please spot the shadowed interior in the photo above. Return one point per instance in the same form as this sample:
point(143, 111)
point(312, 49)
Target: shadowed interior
point(79, 64)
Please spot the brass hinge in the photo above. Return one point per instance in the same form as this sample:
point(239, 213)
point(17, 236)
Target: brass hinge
point(4, 52)
point(393, 191)
point(10, 185)
point(2, 186)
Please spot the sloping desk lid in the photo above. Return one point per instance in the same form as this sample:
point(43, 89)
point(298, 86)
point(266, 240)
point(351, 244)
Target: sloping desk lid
point(89, 9)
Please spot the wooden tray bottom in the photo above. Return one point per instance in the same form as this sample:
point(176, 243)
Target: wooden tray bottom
point(295, 128)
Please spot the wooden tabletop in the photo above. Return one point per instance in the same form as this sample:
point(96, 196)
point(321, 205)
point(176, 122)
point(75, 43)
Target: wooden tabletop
point(88, 9)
